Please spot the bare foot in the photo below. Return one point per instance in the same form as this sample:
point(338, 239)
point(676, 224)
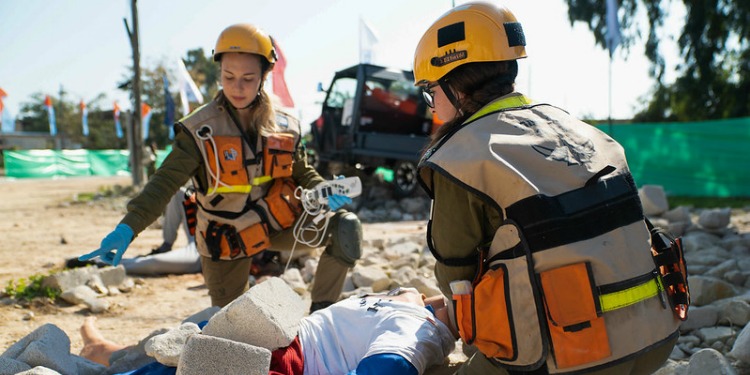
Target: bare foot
point(95, 347)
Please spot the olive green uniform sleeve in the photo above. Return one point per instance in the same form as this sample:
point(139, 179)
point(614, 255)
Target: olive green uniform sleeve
point(461, 222)
point(178, 167)
point(304, 174)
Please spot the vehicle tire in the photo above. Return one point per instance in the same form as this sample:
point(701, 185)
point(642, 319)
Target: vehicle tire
point(312, 158)
point(404, 178)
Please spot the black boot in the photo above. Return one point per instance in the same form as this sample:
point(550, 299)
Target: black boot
point(163, 248)
point(315, 306)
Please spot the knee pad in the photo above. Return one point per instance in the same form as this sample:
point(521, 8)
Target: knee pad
point(346, 238)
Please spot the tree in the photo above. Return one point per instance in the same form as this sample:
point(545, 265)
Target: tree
point(204, 71)
point(713, 82)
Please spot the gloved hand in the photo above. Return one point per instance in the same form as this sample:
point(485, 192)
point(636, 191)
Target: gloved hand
point(118, 241)
point(336, 201)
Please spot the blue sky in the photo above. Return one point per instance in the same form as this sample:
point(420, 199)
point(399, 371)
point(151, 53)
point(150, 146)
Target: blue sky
point(82, 45)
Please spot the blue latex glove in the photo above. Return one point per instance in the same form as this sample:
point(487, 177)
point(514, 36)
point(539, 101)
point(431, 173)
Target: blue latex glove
point(113, 246)
point(336, 201)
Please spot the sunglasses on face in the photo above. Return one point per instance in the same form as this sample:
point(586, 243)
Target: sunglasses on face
point(429, 94)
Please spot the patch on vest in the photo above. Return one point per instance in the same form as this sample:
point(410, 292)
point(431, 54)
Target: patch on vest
point(230, 154)
point(561, 144)
point(282, 121)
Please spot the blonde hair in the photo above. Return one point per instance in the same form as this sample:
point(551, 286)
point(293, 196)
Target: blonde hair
point(263, 113)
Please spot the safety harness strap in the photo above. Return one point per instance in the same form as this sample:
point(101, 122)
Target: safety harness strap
point(577, 215)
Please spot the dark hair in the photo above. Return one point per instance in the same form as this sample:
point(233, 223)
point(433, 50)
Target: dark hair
point(479, 83)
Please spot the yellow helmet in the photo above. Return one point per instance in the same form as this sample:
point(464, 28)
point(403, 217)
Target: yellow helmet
point(472, 32)
point(244, 37)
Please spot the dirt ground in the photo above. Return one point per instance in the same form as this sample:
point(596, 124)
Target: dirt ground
point(42, 225)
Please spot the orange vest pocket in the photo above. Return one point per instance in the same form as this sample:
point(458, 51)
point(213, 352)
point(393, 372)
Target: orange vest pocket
point(254, 239)
point(282, 204)
point(231, 158)
point(278, 155)
point(577, 330)
point(483, 316)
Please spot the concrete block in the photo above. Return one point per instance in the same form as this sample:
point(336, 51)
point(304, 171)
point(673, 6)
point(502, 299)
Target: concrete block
point(47, 346)
point(9, 366)
point(113, 276)
point(85, 295)
point(202, 315)
point(167, 347)
point(86, 367)
point(132, 357)
point(208, 355)
point(69, 279)
point(39, 370)
point(267, 315)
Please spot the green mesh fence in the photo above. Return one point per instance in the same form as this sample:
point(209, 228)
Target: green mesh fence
point(699, 159)
point(57, 163)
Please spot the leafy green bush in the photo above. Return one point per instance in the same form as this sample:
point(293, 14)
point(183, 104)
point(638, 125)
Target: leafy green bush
point(24, 289)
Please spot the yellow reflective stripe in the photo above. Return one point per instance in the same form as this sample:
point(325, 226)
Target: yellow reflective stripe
point(632, 295)
point(241, 188)
point(261, 180)
point(509, 102)
point(231, 189)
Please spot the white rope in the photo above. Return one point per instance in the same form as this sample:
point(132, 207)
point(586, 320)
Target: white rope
point(217, 179)
point(311, 207)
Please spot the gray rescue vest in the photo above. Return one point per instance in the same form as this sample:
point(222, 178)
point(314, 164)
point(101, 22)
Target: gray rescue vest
point(568, 279)
point(234, 216)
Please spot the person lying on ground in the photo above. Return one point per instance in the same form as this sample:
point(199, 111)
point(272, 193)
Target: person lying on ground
point(399, 332)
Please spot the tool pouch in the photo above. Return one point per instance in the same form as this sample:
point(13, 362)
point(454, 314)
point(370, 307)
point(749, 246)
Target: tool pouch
point(574, 318)
point(190, 207)
point(278, 155)
point(283, 206)
point(224, 242)
point(482, 316)
point(669, 258)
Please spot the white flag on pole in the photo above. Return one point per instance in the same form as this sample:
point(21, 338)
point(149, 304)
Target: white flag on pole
point(613, 27)
point(188, 90)
point(367, 42)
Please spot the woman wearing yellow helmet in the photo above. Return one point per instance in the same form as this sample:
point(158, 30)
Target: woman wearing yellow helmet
point(536, 223)
point(246, 160)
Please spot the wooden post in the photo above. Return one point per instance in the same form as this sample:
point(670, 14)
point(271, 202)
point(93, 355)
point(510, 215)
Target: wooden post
point(136, 144)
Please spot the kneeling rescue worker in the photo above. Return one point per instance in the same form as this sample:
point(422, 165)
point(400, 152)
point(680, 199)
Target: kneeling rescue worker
point(536, 222)
point(246, 160)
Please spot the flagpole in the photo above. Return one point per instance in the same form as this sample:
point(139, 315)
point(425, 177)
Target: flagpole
point(609, 112)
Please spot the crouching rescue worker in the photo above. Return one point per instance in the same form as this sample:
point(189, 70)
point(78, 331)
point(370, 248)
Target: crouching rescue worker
point(246, 160)
point(536, 222)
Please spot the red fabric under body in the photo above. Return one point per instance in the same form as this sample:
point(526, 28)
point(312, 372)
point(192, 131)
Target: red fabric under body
point(288, 360)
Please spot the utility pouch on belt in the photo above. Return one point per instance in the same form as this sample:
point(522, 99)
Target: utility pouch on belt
point(224, 241)
point(669, 258)
point(278, 155)
point(283, 206)
point(191, 211)
point(231, 160)
point(482, 315)
point(574, 318)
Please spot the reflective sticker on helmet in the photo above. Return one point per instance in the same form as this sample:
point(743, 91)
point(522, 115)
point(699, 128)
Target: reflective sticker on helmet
point(515, 34)
point(448, 58)
point(451, 34)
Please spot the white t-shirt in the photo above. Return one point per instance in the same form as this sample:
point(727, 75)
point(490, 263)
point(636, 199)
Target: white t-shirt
point(365, 326)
